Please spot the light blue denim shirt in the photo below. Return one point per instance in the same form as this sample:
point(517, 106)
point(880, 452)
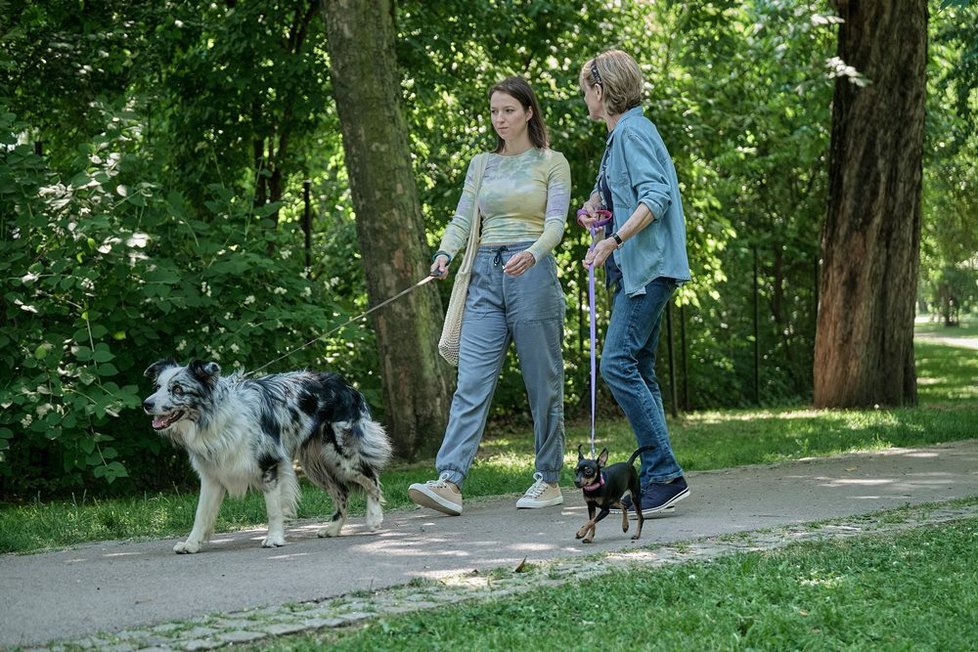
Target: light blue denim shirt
point(639, 170)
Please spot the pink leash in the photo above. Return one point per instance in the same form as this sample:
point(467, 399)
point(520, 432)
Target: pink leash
point(590, 282)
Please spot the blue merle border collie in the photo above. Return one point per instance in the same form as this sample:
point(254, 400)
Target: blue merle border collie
point(246, 433)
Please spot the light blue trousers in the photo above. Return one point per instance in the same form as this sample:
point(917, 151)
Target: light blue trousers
point(529, 311)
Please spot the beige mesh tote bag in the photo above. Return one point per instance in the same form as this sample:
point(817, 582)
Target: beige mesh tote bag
point(451, 332)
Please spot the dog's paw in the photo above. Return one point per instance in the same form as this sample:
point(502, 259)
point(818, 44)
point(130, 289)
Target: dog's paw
point(587, 540)
point(273, 541)
point(580, 533)
point(374, 518)
point(329, 531)
point(636, 536)
point(186, 547)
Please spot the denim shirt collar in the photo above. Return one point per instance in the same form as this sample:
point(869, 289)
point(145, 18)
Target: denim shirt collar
point(630, 114)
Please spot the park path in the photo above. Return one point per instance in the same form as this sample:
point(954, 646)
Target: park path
point(140, 594)
point(948, 340)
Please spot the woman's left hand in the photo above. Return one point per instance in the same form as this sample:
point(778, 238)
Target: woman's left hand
point(519, 264)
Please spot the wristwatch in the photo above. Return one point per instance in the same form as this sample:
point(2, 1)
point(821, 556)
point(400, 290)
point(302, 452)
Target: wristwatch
point(618, 241)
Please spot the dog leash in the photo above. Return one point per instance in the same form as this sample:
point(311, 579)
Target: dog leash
point(400, 294)
point(590, 285)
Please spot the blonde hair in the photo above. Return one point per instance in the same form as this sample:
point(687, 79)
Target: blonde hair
point(620, 79)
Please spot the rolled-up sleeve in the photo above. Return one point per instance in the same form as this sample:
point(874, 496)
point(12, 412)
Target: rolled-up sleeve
point(648, 173)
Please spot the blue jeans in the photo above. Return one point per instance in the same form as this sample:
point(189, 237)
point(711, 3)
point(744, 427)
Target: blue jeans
point(527, 310)
point(628, 367)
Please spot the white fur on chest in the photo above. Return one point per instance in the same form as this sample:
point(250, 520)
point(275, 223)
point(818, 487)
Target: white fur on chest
point(226, 455)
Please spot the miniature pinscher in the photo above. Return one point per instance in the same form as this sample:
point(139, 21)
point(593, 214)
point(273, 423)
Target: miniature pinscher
point(604, 487)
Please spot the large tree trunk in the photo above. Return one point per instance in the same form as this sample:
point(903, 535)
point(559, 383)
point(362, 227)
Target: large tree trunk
point(417, 382)
point(871, 242)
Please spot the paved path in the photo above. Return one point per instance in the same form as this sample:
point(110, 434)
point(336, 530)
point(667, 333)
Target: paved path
point(116, 586)
point(948, 340)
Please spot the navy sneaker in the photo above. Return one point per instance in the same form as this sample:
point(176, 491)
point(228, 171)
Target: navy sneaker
point(658, 497)
point(626, 501)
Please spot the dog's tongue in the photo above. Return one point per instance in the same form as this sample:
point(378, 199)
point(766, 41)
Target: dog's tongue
point(161, 421)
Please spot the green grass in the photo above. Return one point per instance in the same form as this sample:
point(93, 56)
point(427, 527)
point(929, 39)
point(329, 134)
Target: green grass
point(947, 385)
point(909, 591)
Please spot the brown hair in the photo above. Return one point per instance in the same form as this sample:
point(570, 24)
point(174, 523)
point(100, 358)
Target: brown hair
point(620, 79)
point(520, 90)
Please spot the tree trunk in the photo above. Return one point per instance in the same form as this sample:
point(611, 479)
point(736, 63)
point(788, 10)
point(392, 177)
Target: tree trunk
point(871, 241)
point(366, 86)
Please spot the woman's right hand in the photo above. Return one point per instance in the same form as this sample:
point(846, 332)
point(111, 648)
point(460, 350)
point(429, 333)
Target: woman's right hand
point(439, 268)
point(589, 217)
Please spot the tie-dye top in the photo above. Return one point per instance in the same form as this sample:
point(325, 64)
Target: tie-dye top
point(522, 198)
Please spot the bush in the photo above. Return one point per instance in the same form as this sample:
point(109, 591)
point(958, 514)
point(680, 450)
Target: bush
point(102, 275)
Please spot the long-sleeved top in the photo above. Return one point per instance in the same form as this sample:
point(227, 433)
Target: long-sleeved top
point(522, 198)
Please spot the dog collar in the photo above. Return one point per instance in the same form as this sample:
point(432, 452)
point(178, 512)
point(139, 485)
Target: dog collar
point(597, 485)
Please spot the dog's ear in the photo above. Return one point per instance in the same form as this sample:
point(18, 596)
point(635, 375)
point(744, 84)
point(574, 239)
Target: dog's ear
point(580, 455)
point(154, 370)
point(603, 457)
point(205, 372)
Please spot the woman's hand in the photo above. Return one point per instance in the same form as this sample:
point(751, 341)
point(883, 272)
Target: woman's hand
point(600, 252)
point(439, 268)
point(587, 216)
point(519, 264)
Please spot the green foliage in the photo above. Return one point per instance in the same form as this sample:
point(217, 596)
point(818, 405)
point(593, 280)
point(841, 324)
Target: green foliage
point(949, 241)
point(59, 248)
point(100, 278)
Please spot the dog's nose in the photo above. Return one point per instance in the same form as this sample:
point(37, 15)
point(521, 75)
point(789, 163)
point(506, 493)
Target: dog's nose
point(147, 405)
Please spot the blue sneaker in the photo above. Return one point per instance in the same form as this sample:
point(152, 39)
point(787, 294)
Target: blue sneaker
point(658, 497)
point(626, 501)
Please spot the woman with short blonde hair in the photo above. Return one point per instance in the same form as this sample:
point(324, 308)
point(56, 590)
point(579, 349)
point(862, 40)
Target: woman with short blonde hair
point(644, 256)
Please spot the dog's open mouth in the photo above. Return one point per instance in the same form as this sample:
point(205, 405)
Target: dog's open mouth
point(163, 421)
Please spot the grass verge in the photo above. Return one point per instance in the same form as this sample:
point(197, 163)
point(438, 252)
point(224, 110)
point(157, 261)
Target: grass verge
point(906, 590)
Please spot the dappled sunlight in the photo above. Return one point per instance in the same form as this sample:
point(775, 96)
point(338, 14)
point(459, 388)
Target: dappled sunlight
point(289, 557)
point(713, 417)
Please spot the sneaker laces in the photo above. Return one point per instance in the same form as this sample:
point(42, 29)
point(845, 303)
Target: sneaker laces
point(538, 487)
point(440, 483)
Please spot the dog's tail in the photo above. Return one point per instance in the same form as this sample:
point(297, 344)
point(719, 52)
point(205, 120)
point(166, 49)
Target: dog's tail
point(366, 435)
point(631, 460)
point(375, 447)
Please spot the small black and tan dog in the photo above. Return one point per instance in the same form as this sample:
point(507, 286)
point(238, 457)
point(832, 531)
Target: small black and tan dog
point(604, 487)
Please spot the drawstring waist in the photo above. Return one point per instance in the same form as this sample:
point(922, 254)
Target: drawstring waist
point(497, 250)
point(498, 258)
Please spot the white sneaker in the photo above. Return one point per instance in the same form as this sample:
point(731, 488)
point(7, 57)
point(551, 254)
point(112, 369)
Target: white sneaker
point(541, 494)
point(439, 494)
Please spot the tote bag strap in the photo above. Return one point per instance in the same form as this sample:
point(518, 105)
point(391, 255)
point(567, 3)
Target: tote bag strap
point(476, 223)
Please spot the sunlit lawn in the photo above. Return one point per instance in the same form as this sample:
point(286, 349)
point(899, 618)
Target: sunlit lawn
point(909, 591)
point(948, 392)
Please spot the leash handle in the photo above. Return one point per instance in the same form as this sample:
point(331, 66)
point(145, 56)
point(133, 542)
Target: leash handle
point(606, 218)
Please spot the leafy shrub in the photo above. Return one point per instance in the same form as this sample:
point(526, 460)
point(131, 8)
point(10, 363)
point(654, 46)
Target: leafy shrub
point(101, 277)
